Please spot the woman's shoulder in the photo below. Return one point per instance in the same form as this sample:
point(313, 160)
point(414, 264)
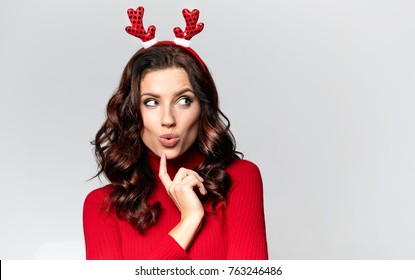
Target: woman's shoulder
point(242, 168)
point(245, 177)
point(97, 196)
point(95, 210)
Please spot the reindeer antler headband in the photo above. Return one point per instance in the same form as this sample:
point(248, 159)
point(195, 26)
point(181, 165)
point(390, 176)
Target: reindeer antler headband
point(148, 38)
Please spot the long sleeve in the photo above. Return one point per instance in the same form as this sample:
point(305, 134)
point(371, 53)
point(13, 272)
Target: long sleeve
point(169, 249)
point(245, 213)
point(104, 241)
point(102, 236)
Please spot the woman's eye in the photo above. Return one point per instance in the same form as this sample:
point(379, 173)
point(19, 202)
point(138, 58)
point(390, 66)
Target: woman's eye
point(184, 101)
point(150, 102)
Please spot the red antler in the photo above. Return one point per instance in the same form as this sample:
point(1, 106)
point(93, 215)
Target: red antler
point(148, 37)
point(192, 28)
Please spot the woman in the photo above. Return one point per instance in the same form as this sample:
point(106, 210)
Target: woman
point(178, 188)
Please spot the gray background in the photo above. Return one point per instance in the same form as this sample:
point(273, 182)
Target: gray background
point(320, 95)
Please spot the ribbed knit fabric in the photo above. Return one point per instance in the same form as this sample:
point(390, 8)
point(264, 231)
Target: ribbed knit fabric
point(237, 231)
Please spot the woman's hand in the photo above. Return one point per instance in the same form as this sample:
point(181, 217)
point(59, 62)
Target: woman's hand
point(183, 192)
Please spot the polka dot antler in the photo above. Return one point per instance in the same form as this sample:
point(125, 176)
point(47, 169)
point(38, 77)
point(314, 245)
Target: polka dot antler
point(182, 38)
point(192, 28)
point(148, 38)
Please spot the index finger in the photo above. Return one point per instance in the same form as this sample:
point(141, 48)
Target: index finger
point(163, 175)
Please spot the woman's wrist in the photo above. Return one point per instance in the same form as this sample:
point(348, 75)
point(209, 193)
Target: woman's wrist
point(185, 231)
point(195, 216)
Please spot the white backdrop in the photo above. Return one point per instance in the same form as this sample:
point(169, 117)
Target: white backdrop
point(320, 95)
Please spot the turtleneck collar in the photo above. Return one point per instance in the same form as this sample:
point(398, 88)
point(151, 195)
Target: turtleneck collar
point(189, 159)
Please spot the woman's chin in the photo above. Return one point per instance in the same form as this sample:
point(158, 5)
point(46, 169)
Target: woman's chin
point(171, 154)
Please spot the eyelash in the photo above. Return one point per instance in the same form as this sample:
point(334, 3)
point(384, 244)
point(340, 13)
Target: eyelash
point(188, 101)
point(148, 101)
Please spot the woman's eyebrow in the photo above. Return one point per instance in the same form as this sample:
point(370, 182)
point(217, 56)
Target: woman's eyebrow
point(183, 91)
point(175, 95)
point(150, 94)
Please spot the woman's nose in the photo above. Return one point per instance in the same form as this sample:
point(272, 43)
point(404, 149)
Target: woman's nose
point(167, 118)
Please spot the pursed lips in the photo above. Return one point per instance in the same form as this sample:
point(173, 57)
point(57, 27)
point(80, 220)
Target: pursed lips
point(169, 140)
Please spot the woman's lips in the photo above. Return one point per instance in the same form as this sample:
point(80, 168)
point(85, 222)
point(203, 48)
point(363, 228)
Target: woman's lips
point(169, 140)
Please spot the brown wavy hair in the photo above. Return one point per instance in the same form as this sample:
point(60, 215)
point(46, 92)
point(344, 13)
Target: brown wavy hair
point(122, 156)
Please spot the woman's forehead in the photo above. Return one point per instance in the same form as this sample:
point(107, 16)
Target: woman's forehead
point(168, 81)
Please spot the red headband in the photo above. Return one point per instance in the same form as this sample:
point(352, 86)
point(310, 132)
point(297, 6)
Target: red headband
point(182, 38)
point(148, 38)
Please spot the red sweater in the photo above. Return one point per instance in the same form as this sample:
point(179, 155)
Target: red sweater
point(237, 231)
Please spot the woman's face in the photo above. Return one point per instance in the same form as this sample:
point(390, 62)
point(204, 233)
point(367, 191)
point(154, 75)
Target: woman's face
point(170, 111)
